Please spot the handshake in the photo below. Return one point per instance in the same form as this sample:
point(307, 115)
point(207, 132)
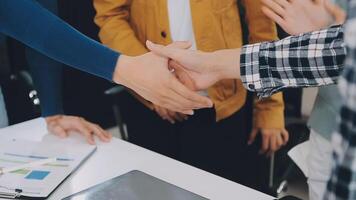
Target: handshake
point(170, 76)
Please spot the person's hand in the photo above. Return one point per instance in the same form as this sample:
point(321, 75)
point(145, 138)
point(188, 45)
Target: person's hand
point(199, 68)
point(301, 16)
point(62, 126)
point(148, 75)
point(337, 12)
point(272, 139)
point(170, 116)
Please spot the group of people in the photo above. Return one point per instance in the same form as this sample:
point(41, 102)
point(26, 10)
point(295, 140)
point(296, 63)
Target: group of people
point(205, 101)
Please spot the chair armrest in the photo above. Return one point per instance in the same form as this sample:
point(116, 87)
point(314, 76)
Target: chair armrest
point(115, 90)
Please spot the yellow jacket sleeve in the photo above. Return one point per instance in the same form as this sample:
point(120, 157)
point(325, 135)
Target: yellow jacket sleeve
point(115, 31)
point(268, 113)
point(260, 27)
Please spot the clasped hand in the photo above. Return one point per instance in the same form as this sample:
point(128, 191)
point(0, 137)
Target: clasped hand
point(199, 70)
point(150, 75)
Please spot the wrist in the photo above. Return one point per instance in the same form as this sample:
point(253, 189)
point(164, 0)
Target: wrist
point(123, 64)
point(52, 118)
point(227, 63)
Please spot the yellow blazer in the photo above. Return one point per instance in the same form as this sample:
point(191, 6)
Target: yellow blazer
point(125, 25)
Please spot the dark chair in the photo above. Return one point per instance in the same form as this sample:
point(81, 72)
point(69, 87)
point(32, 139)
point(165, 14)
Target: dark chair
point(20, 96)
point(282, 168)
point(114, 94)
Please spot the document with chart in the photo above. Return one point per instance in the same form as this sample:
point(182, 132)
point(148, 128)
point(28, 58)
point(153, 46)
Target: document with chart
point(41, 179)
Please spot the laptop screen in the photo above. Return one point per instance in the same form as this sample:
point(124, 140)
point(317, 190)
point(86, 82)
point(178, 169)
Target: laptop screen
point(135, 185)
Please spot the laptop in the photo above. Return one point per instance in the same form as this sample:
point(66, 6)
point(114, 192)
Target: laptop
point(135, 185)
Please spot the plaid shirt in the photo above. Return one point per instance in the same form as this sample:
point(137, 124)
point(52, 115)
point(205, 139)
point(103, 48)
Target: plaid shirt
point(310, 60)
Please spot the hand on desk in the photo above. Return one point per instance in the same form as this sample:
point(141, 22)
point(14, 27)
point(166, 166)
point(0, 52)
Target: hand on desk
point(62, 125)
point(149, 76)
point(272, 139)
point(302, 16)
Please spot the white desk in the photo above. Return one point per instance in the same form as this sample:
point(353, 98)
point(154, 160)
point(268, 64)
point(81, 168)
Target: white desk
point(119, 157)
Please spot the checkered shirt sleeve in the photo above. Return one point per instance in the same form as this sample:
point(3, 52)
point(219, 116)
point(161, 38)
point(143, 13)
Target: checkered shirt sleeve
point(308, 60)
point(342, 184)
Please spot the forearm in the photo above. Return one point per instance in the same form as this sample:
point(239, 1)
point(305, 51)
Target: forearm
point(47, 74)
point(309, 60)
point(225, 63)
point(47, 77)
point(33, 25)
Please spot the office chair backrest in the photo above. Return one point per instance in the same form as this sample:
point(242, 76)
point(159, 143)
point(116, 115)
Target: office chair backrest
point(83, 94)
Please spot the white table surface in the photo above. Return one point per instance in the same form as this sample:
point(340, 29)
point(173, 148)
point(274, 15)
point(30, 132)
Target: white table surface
point(118, 157)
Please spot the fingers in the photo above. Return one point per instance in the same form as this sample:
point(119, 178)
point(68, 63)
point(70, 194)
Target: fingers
point(273, 140)
point(273, 145)
point(181, 44)
point(338, 13)
point(99, 132)
point(283, 3)
point(285, 136)
point(265, 142)
point(253, 136)
point(170, 116)
point(164, 113)
point(319, 1)
point(182, 75)
point(54, 128)
point(183, 116)
point(175, 102)
point(199, 101)
point(274, 17)
point(160, 112)
point(279, 141)
point(178, 116)
point(63, 125)
point(83, 130)
point(173, 53)
point(275, 6)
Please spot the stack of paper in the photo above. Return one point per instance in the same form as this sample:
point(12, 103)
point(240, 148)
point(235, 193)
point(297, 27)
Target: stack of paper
point(38, 181)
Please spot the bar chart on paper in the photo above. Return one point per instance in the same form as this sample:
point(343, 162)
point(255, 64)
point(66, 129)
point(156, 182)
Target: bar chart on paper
point(38, 181)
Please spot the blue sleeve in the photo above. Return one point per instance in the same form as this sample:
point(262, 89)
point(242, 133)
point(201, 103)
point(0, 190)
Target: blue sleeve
point(47, 74)
point(47, 78)
point(28, 22)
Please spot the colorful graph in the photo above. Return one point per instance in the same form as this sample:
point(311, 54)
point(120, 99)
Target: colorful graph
point(21, 171)
point(37, 175)
point(23, 162)
point(36, 157)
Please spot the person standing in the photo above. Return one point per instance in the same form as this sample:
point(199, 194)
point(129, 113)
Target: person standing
point(217, 139)
point(322, 123)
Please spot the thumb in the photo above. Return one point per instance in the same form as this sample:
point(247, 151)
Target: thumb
point(253, 136)
point(182, 75)
point(319, 2)
point(337, 13)
point(181, 44)
point(164, 51)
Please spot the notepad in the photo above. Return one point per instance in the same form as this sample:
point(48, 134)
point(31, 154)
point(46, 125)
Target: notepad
point(38, 181)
